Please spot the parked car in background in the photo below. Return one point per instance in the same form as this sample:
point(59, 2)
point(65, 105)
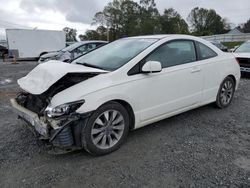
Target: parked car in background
point(3, 52)
point(234, 48)
point(220, 46)
point(93, 102)
point(242, 53)
point(71, 52)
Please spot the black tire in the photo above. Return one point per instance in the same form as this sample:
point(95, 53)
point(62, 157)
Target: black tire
point(222, 101)
point(87, 135)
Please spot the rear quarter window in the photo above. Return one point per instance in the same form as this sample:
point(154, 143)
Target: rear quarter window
point(205, 52)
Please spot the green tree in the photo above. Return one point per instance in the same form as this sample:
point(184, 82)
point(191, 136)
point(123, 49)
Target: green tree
point(113, 15)
point(128, 18)
point(246, 27)
point(206, 22)
point(89, 35)
point(82, 37)
point(99, 34)
point(102, 31)
point(172, 23)
point(149, 17)
point(70, 34)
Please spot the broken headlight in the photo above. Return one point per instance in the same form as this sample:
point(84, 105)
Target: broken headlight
point(64, 109)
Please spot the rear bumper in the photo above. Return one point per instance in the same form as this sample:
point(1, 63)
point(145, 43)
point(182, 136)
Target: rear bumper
point(31, 118)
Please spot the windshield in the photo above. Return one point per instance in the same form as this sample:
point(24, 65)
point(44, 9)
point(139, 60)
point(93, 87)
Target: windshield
point(244, 48)
point(71, 47)
point(116, 54)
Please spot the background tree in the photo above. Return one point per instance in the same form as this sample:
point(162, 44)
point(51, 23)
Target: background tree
point(122, 18)
point(127, 18)
point(119, 17)
point(149, 18)
point(171, 22)
point(82, 37)
point(99, 34)
point(130, 18)
point(112, 15)
point(70, 34)
point(246, 27)
point(206, 22)
point(89, 35)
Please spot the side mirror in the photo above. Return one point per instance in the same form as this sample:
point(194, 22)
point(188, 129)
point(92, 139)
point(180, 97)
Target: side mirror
point(152, 67)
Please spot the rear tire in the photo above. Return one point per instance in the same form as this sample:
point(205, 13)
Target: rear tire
point(226, 93)
point(106, 129)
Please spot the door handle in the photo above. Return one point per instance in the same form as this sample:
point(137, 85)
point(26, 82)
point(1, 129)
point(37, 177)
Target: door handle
point(195, 70)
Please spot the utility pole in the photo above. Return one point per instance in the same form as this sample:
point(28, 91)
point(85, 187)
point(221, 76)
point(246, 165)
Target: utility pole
point(108, 34)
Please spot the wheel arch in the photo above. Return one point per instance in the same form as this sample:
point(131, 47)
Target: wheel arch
point(233, 77)
point(129, 109)
point(219, 103)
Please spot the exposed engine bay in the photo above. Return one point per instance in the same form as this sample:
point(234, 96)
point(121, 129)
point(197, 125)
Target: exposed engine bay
point(62, 132)
point(38, 103)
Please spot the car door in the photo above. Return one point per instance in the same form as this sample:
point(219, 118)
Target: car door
point(212, 66)
point(177, 87)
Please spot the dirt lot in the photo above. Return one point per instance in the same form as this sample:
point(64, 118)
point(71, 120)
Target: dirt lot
point(206, 147)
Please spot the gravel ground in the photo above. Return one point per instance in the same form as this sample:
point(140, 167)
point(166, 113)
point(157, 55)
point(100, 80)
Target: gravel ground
point(206, 147)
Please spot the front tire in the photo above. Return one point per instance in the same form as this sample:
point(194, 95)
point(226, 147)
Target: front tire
point(106, 129)
point(226, 93)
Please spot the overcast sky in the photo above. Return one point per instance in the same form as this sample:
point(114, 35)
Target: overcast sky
point(57, 14)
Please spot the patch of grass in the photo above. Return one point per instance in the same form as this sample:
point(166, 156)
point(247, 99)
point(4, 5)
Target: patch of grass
point(232, 44)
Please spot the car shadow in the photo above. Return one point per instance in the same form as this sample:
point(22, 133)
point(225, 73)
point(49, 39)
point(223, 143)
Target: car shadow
point(144, 134)
point(245, 75)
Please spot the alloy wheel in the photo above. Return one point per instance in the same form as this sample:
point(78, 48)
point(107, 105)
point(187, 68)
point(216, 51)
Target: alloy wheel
point(107, 129)
point(226, 93)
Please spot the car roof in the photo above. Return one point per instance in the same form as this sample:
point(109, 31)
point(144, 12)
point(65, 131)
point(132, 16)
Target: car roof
point(176, 37)
point(92, 41)
point(151, 36)
point(163, 36)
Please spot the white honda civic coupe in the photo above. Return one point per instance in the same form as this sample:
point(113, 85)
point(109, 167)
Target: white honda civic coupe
point(96, 100)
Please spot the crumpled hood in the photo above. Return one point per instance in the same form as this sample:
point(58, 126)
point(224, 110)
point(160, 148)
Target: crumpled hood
point(242, 55)
point(45, 75)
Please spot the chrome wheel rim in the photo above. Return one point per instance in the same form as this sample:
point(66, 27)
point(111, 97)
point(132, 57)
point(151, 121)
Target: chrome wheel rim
point(226, 92)
point(107, 129)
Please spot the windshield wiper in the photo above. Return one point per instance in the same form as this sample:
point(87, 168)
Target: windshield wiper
point(90, 65)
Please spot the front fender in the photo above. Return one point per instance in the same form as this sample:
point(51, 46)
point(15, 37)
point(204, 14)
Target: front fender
point(94, 101)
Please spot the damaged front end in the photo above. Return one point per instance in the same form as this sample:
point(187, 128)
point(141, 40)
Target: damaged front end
point(61, 125)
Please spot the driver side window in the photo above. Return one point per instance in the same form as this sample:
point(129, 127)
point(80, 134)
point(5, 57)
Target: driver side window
point(174, 53)
point(81, 49)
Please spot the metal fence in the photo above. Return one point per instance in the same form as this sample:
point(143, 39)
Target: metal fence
point(228, 37)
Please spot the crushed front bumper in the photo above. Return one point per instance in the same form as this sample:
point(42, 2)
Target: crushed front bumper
point(64, 133)
point(31, 118)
